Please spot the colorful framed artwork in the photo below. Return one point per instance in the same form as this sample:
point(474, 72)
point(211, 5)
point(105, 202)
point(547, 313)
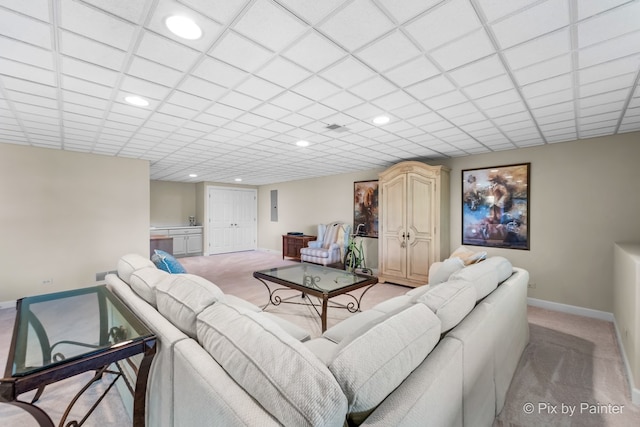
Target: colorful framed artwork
point(365, 208)
point(495, 206)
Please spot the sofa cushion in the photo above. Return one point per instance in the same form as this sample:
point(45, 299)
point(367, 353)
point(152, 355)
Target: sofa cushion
point(370, 364)
point(348, 326)
point(144, 282)
point(278, 371)
point(291, 328)
point(183, 296)
point(451, 302)
point(394, 304)
point(486, 275)
point(444, 270)
point(129, 263)
point(167, 262)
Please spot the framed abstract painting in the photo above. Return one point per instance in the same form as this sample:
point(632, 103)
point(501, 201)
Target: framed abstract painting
point(495, 206)
point(365, 208)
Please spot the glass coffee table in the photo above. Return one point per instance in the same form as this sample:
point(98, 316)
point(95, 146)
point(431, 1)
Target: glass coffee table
point(59, 335)
point(318, 281)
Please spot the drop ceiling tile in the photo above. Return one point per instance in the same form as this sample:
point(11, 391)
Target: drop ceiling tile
point(587, 8)
point(342, 101)
point(26, 53)
point(544, 70)
point(26, 29)
point(316, 88)
point(253, 120)
point(87, 71)
point(131, 10)
point(373, 88)
point(144, 88)
point(27, 72)
point(532, 22)
point(569, 115)
point(28, 98)
point(270, 111)
point(259, 88)
point(550, 99)
point(188, 101)
point(411, 110)
point(505, 109)
point(91, 51)
point(446, 100)
point(604, 98)
point(283, 72)
point(610, 24)
point(202, 88)
point(211, 120)
point(210, 29)
point(458, 110)
point(430, 88)
point(608, 85)
point(82, 109)
point(269, 25)
point(311, 11)
point(495, 9)
point(83, 86)
point(317, 111)
point(548, 86)
point(464, 50)
point(225, 111)
point(219, 73)
point(347, 73)
point(87, 21)
point(540, 49)
point(477, 71)
point(407, 9)
point(488, 87)
point(166, 52)
point(609, 50)
point(365, 111)
point(446, 22)
point(239, 100)
point(601, 108)
point(416, 70)
point(609, 69)
point(324, 51)
point(390, 51)
point(357, 24)
point(240, 52)
point(152, 71)
point(393, 101)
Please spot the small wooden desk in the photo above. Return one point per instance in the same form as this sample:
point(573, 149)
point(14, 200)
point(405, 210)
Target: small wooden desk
point(291, 245)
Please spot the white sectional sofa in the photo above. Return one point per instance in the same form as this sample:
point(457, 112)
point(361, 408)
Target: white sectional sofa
point(440, 355)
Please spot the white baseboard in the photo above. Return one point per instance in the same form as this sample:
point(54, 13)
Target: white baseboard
point(570, 309)
point(595, 314)
point(7, 304)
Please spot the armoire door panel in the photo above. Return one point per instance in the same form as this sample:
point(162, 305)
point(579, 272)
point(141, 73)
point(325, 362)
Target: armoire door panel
point(394, 263)
point(417, 254)
point(420, 204)
point(394, 194)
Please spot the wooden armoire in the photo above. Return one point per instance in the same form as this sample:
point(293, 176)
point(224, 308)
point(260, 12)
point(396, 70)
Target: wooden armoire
point(413, 227)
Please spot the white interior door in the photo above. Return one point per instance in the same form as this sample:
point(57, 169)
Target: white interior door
point(232, 219)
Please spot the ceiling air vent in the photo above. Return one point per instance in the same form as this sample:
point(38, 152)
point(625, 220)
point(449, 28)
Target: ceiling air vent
point(337, 128)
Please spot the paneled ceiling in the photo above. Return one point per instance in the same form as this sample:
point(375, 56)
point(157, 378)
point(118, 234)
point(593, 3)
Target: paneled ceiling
point(456, 77)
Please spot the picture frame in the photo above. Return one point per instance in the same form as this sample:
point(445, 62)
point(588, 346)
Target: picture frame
point(365, 208)
point(495, 206)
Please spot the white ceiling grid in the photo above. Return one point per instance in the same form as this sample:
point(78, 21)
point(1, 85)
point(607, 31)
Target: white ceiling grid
point(456, 77)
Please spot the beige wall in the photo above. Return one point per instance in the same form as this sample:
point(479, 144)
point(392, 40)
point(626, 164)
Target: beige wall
point(304, 204)
point(585, 196)
point(626, 304)
point(66, 216)
point(172, 203)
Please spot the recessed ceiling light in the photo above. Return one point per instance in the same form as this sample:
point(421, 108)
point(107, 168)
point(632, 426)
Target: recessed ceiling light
point(136, 100)
point(381, 120)
point(302, 143)
point(193, 175)
point(183, 27)
point(238, 180)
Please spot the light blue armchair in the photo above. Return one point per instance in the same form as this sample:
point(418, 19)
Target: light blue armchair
point(329, 248)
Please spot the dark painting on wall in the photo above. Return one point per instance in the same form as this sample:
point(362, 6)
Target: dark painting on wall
point(365, 210)
point(495, 206)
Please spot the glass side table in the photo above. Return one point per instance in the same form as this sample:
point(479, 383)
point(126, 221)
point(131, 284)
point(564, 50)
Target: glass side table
point(59, 335)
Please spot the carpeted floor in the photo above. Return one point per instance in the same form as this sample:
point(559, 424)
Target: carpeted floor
point(570, 361)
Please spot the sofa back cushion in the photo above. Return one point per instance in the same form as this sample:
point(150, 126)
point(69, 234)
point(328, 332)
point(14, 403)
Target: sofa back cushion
point(182, 297)
point(485, 275)
point(144, 282)
point(129, 263)
point(371, 363)
point(451, 302)
point(285, 377)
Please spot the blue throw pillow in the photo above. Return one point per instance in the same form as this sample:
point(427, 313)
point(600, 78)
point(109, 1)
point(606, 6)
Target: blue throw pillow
point(167, 262)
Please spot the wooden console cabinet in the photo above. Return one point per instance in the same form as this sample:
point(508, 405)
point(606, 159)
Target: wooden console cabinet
point(291, 245)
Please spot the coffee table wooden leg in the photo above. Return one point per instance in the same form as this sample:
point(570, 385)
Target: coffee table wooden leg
point(323, 316)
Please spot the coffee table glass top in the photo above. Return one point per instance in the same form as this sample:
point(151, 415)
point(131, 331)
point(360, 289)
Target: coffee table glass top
point(70, 325)
point(314, 277)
